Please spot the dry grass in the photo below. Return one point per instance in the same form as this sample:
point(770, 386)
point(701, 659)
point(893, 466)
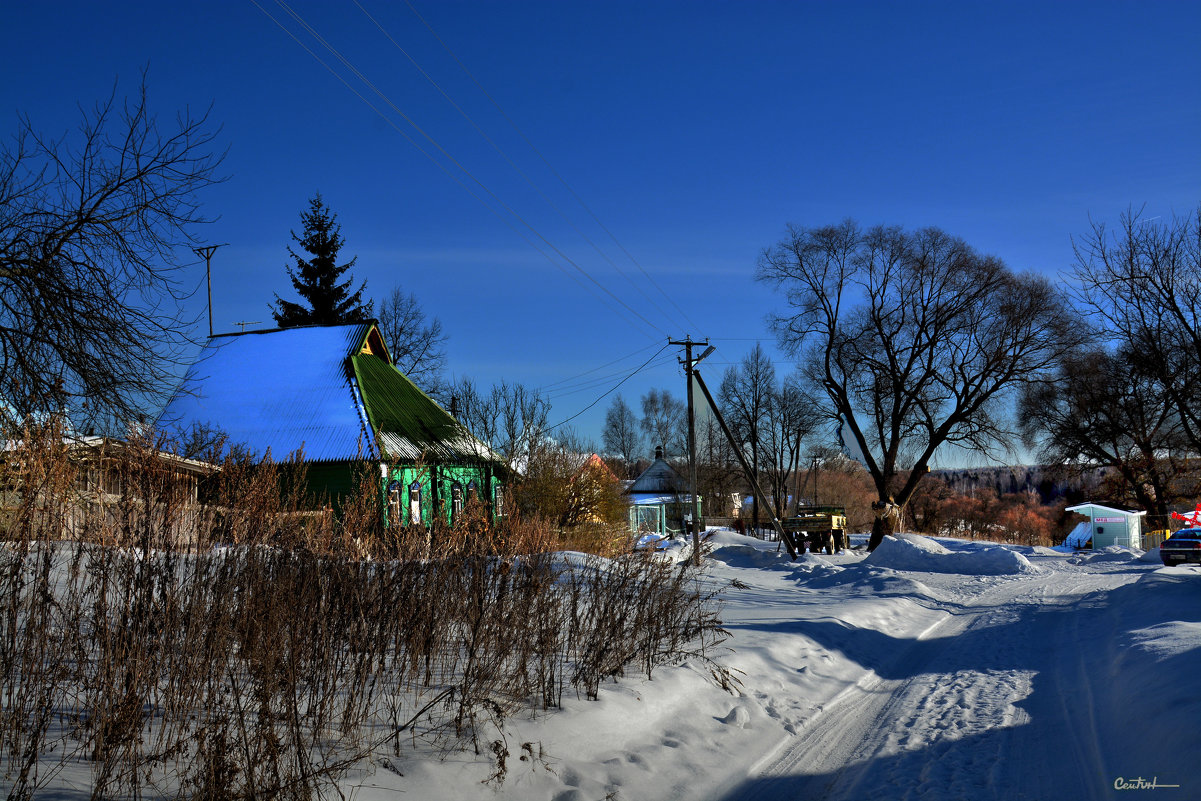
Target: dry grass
point(281, 647)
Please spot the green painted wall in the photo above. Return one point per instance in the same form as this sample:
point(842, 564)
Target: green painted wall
point(437, 488)
point(334, 481)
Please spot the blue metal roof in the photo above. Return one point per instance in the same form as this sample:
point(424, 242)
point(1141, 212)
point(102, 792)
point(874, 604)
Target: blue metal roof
point(280, 390)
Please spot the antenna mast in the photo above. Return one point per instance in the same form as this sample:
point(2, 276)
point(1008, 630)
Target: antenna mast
point(206, 253)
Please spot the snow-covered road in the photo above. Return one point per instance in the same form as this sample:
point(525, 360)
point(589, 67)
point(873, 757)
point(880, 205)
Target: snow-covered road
point(987, 697)
point(931, 670)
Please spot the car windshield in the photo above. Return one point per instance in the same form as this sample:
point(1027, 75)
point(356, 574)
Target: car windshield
point(1187, 534)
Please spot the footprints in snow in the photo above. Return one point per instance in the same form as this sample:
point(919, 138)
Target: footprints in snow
point(607, 778)
point(794, 715)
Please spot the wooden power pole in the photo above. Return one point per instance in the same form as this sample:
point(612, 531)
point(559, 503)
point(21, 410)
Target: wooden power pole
point(689, 364)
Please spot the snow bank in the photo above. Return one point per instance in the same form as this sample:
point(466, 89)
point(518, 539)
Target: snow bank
point(671, 550)
point(875, 581)
point(724, 536)
point(1168, 639)
point(740, 550)
point(1112, 553)
point(914, 552)
point(811, 566)
point(1151, 556)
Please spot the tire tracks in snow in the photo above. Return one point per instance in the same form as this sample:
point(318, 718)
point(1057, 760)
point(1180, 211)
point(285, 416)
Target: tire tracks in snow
point(994, 700)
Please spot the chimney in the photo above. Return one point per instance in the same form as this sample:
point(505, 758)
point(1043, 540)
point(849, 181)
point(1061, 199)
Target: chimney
point(658, 451)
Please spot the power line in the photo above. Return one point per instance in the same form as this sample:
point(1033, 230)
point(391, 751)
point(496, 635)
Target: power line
point(596, 382)
point(599, 367)
point(614, 388)
point(501, 152)
point(549, 166)
point(384, 97)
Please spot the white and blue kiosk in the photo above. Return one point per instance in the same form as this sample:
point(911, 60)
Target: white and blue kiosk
point(1105, 526)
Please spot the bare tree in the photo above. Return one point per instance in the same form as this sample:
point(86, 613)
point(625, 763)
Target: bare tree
point(664, 421)
point(1081, 422)
point(791, 416)
point(620, 435)
point(745, 396)
point(511, 418)
point(916, 340)
point(1144, 282)
point(416, 342)
point(96, 230)
point(718, 474)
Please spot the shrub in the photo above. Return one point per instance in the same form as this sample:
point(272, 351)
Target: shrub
point(263, 656)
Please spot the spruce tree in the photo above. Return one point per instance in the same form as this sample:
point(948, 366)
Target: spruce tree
point(315, 278)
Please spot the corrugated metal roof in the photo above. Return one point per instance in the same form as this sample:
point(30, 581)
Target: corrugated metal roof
point(408, 422)
point(311, 388)
point(659, 478)
point(280, 390)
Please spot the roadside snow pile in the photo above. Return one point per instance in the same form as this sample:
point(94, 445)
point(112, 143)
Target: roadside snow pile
point(811, 565)
point(868, 579)
point(724, 536)
point(1151, 556)
point(1112, 553)
point(1168, 639)
point(739, 550)
point(914, 552)
point(673, 549)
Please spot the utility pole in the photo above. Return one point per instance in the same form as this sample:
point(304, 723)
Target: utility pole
point(689, 364)
point(206, 253)
point(751, 478)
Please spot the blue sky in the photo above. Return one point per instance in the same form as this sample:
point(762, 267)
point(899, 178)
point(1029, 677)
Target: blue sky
point(694, 132)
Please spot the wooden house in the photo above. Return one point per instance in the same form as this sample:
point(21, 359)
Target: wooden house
point(114, 484)
point(333, 394)
point(659, 500)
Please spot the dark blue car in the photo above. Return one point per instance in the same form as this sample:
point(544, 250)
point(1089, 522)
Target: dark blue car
point(1183, 546)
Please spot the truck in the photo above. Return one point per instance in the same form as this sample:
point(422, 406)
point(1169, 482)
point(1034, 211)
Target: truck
point(818, 528)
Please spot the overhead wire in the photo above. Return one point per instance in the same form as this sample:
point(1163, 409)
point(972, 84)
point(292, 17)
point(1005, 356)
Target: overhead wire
point(446, 154)
point(565, 387)
point(599, 381)
point(504, 155)
point(408, 138)
point(550, 167)
point(614, 388)
point(599, 367)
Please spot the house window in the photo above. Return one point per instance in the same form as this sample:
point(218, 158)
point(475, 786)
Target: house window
point(415, 502)
point(456, 501)
point(472, 492)
point(498, 505)
point(394, 500)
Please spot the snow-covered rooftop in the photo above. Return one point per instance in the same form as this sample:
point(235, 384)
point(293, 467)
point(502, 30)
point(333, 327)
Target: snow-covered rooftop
point(329, 390)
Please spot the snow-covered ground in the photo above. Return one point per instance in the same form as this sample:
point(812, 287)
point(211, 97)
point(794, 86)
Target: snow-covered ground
point(932, 669)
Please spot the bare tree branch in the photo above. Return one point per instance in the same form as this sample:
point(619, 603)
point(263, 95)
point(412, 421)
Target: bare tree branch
point(1143, 284)
point(95, 235)
point(620, 435)
point(417, 343)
